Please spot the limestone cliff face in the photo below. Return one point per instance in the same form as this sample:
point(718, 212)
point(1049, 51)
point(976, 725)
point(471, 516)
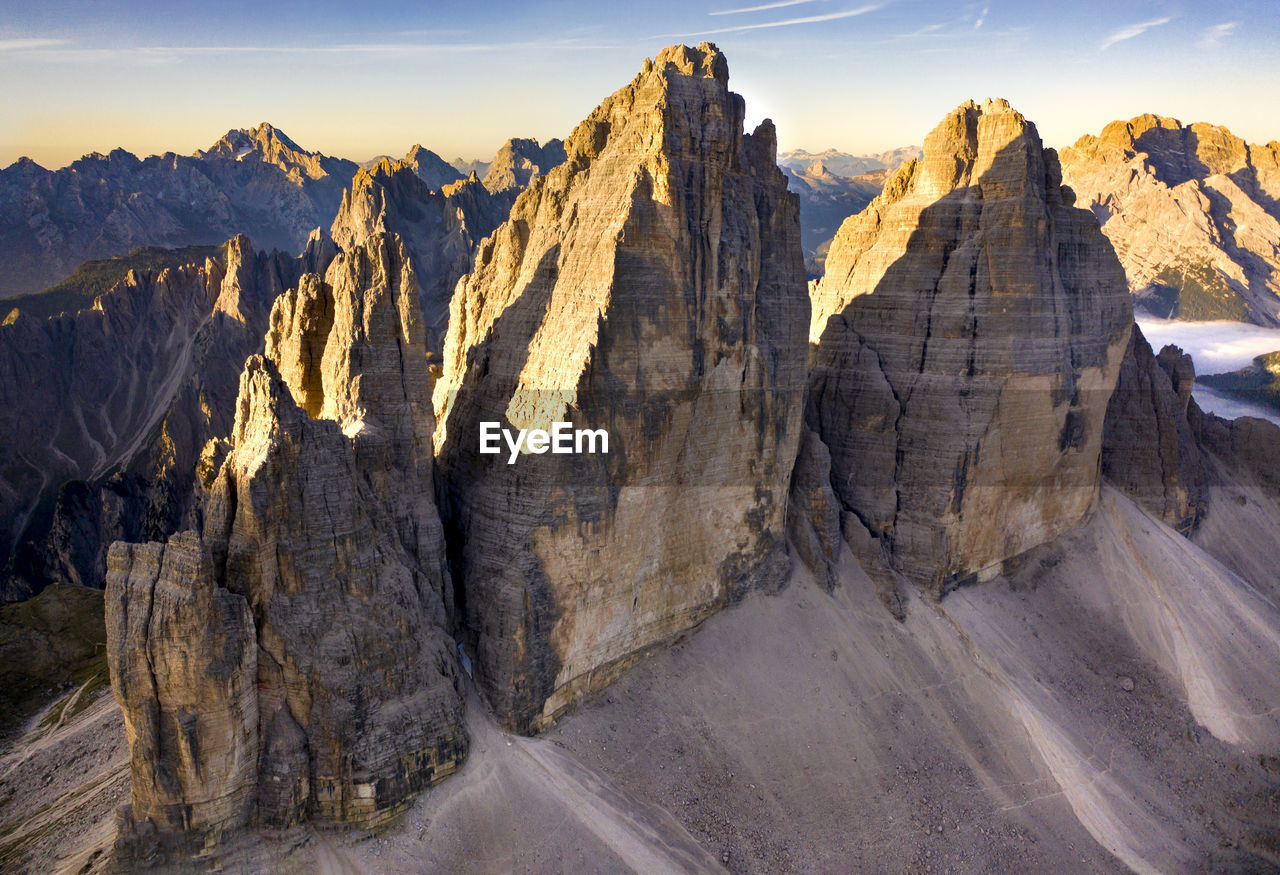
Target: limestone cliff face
point(651, 286)
point(1193, 212)
point(1169, 455)
point(320, 524)
point(184, 662)
point(519, 162)
point(103, 413)
point(440, 228)
point(968, 334)
point(1150, 448)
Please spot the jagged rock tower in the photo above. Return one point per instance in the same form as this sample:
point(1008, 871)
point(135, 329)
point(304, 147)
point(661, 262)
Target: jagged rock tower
point(652, 286)
point(292, 661)
point(968, 333)
point(440, 229)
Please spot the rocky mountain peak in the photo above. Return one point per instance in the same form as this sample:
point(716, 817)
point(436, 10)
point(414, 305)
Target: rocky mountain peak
point(519, 162)
point(1174, 151)
point(1193, 212)
point(952, 285)
point(320, 557)
point(650, 286)
point(270, 146)
point(24, 164)
point(965, 149)
point(704, 61)
point(433, 170)
point(440, 228)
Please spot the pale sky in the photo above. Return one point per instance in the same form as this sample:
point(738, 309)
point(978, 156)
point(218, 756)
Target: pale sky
point(359, 79)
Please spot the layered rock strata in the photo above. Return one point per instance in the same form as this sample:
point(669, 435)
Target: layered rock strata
point(651, 286)
point(968, 334)
point(440, 228)
point(303, 658)
point(1193, 212)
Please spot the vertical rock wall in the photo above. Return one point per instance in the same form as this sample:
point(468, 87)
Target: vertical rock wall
point(327, 659)
point(968, 334)
point(651, 286)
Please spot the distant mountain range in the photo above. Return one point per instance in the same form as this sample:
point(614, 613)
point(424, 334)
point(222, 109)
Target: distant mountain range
point(846, 164)
point(832, 186)
point(254, 181)
point(826, 200)
point(1193, 212)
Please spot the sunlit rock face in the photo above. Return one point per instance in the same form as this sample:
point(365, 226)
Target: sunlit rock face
point(1193, 212)
point(651, 286)
point(440, 228)
point(324, 672)
point(967, 334)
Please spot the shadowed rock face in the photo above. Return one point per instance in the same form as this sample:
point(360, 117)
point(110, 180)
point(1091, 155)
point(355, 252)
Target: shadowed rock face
point(104, 412)
point(1193, 212)
point(440, 228)
point(651, 286)
point(256, 182)
point(968, 333)
point(322, 543)
point(1149, 449)
point(1175, 460)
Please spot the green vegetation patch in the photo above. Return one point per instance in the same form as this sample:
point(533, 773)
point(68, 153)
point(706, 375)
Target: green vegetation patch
point(94, 278)
point(96, 678)
point(1200, 292)
point(51, 645)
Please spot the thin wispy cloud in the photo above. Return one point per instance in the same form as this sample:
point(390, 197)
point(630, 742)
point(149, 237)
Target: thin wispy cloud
point(1131, 31)
point(982, 17)
point(924, 31)
point(18, 45)
point(780, 4)
point(1214, 36)
point(786, 22)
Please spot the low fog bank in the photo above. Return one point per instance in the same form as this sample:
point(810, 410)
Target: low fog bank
point(1216, 348)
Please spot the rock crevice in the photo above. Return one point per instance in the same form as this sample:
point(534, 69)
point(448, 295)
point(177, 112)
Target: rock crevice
point(967, 336)
point(321, 527)
point(652, 286)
